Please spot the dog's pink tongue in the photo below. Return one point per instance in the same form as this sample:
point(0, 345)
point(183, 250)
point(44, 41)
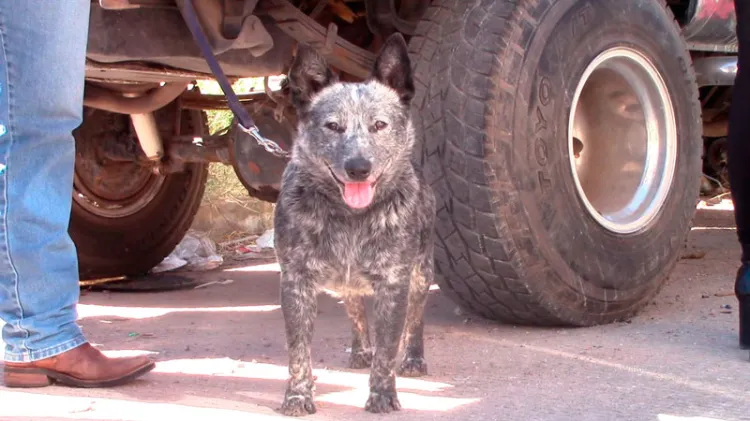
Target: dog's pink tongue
point(358, 195)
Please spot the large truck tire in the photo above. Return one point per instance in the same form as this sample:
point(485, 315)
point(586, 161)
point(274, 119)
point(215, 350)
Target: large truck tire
point(563, 140)
point(125, 219)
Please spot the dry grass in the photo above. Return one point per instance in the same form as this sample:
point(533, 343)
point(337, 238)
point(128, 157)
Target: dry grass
point(223, 184)
point(222, 181)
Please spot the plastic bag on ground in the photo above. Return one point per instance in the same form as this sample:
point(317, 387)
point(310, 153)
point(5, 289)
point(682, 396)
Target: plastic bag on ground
point(170, 262)
point(265, 241)
point(196, 250)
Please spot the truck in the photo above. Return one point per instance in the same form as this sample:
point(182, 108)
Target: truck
point(568, 141)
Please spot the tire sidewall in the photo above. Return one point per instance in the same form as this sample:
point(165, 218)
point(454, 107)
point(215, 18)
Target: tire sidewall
point(584, 257)
point(134, 244)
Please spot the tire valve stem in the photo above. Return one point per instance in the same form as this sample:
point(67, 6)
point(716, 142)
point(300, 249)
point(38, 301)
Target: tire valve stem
point(577, 147)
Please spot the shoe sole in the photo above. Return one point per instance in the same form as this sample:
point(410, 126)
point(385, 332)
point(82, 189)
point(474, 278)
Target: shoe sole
point(17, 377)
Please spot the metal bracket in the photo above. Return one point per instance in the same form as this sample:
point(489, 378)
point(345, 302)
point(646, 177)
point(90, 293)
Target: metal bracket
point(331, 34)
point(234, 15)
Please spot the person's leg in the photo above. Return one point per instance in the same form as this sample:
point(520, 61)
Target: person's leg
point(739, 171)
point(42, 70)
point(43, 46)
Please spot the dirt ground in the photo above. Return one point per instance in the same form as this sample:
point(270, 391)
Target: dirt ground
point(221, 356)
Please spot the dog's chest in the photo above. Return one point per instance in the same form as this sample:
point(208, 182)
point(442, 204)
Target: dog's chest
point(366, 244)
point(356, 252)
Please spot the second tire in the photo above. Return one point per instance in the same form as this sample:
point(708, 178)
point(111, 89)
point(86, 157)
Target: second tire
point(563, 139)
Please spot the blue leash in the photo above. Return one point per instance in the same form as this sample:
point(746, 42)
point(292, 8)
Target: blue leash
point(246, 122)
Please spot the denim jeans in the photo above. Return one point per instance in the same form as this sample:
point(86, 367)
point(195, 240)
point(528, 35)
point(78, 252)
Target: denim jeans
point(42, 65)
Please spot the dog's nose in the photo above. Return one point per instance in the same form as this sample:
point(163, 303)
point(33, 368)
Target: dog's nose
point(358, 169)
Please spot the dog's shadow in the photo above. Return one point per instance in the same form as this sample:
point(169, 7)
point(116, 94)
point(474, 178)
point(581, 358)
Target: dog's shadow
point(226, 341)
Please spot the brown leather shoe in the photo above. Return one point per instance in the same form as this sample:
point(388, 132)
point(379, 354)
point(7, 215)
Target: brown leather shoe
point(83, 366)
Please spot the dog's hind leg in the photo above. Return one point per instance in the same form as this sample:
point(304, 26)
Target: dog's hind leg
point(361, 350)
point(299, 306)
point(414, 364)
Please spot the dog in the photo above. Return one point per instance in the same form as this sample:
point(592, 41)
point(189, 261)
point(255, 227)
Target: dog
point(355, 217)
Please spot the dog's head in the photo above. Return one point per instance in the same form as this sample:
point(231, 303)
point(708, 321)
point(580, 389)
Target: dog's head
point(356, 136)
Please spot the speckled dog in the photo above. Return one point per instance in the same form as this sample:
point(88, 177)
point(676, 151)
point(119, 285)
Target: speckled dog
point(355, 218)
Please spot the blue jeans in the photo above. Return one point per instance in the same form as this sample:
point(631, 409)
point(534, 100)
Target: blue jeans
point(42, 69)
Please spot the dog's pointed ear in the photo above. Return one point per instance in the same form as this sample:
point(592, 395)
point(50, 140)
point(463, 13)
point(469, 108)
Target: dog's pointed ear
point(308, 75)
point(393, 67)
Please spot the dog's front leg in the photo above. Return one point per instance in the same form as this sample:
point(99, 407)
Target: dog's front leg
point(299, 306)
point(390, 312)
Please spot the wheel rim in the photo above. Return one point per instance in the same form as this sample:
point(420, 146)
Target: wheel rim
point(622, 140)
point(114, 191)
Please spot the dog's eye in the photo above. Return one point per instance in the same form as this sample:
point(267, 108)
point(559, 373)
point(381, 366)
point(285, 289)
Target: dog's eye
point(333, 127)
point(380, 125)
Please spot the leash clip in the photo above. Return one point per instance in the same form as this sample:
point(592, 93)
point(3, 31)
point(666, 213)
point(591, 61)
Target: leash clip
point(268, 144)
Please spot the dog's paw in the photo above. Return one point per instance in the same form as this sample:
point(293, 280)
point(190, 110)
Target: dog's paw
point(360, 359)
point(382, 403)
point(298, 405)
point(413, 367)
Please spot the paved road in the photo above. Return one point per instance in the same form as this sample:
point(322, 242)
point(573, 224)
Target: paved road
point(221, 353)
